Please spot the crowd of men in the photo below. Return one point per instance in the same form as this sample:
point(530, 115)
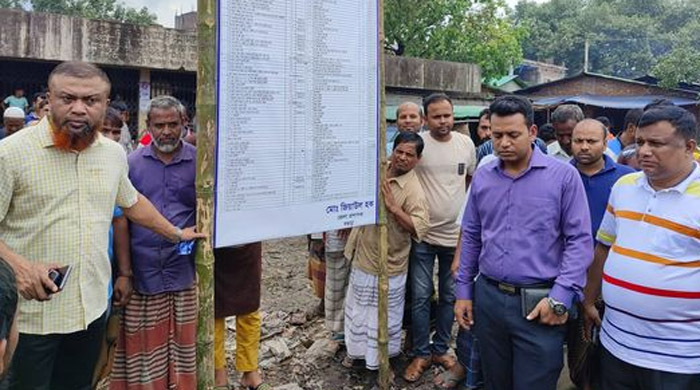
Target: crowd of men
point(538, 243)
point(543, 224)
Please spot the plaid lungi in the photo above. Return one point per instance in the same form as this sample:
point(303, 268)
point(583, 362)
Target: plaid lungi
point(337, 274)
point(156, 344)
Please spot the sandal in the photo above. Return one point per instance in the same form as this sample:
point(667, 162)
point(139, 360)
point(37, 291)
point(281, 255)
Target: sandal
point(445, 360)
point(416, 369)
point(448, 380)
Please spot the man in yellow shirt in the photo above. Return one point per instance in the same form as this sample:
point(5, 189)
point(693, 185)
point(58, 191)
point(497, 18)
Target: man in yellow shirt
point(61, 180)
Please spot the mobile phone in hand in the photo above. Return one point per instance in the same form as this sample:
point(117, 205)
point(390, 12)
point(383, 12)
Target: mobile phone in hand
point(59, 276)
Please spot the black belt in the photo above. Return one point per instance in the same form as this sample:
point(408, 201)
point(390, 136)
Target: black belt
point(513, 289)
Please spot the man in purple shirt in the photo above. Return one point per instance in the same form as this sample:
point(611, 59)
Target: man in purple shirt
point(160, 318)
point(526, 245)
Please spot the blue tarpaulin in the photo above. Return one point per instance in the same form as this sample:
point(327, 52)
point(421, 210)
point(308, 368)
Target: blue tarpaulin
point(617, 102)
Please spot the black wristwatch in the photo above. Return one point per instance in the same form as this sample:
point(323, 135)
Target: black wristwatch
point(557, 307)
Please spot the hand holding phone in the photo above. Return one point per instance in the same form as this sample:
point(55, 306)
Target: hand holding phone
point(59, 276)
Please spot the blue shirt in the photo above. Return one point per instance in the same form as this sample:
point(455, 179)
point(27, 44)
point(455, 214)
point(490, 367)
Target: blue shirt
point(598, 189)
point(615, 146)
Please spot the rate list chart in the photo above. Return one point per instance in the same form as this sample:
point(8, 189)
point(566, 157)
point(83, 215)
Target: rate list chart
point(298, 105)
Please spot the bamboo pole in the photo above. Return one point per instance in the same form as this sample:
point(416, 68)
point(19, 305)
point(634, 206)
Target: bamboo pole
point(383, 298)
point(206, 144)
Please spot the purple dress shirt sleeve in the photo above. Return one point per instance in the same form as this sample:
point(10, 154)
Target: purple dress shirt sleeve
point(578, 243)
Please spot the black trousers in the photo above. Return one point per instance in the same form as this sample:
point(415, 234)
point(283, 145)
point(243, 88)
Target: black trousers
point(619, 375)
point(515, 353)
point(57, 361)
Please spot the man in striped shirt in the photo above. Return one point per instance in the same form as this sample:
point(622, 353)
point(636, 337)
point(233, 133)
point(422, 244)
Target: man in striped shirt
point(648, 261)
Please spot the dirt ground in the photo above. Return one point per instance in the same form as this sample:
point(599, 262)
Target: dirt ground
point(292, 323)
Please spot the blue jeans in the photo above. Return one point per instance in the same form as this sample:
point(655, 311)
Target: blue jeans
point(468, 357)
point(422, 263)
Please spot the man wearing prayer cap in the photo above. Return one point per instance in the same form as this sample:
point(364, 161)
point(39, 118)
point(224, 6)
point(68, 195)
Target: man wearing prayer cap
point(12, 121)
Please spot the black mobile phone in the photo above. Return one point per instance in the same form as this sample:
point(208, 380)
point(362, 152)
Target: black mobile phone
point(59, 276)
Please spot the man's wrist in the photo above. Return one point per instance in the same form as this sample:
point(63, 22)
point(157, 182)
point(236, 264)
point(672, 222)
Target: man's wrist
point(125, 274)
point(557, 307)
point(177, 235)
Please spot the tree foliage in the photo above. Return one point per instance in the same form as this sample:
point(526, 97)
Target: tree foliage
point(10, 3)
point(475, 31)
point(628, 38)
point(90, 9)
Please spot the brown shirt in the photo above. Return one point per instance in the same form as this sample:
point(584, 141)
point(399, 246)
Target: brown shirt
point(363, 243)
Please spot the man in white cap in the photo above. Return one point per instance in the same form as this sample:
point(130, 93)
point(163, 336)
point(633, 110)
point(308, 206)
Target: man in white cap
point(12, 121)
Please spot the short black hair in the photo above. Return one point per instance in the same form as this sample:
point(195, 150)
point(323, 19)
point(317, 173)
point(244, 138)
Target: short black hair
point(658, 102)
point(113, 116)
point(604, 120)
point(8, 298)
point(435, 98)
point(508, 105)
point(485, 112)
point(407, 137)
point(683, 121)
point(632, 117)
point(119, 106)
point(546, 132)
point(38, 95)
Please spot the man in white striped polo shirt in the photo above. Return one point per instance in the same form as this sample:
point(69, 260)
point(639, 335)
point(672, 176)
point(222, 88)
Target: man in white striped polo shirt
point(650, 236)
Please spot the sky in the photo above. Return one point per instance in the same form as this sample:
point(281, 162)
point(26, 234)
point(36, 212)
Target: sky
point(166, 9)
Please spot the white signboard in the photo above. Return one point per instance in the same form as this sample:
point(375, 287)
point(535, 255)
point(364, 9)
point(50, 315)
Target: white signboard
point(298, 116)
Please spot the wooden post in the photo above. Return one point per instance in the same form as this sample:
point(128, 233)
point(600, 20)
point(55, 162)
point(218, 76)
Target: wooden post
point(383, 298)
point(206, 144)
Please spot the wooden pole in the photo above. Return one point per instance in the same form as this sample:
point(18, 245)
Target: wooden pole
point(206, 144)
point(383, 298)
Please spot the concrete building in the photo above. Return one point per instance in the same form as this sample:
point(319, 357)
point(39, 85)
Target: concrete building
point(601, 95)
point(145, 61)
point(141, 61)
point(186, 21)
point(536, 72)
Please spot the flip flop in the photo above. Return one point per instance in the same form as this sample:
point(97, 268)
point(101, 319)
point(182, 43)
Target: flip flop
point(416, 369)
point(446, 360)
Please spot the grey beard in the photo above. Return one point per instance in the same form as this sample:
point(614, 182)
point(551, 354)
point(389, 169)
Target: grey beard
point(168, 148)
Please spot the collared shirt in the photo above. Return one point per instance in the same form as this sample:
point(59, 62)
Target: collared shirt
point(156, 263)
point(56, 207)
point(554, 149)
point(598, 188)
point(651, 278)
point(442, 172)
point(527, 229)
point(363, 243)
